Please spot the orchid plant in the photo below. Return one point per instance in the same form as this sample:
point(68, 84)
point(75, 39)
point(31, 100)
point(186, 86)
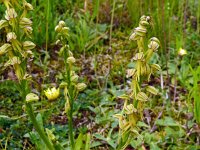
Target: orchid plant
point(18, 47)
point(132, 111)
point(70, 84)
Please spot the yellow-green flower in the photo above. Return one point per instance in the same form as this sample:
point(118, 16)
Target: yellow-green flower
point(81, 86)
point(10, 14)
point(52, 93)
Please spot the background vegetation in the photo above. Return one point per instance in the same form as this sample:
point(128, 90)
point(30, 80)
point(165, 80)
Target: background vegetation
point(99, 32)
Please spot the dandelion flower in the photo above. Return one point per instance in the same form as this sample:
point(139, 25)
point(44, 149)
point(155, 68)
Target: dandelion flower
point(52, 93)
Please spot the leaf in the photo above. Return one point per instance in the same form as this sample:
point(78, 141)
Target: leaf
point(170, 132)
point(95, 144)
point(154, 146)
point(79, 142)
point(87, 142)
point(39, 120)
point(5, 121)
point(142, 124)
point(100, 137)
point(166, 121)
point(108, 140)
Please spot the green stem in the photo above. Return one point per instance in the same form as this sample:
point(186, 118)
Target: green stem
point(39, 130)
point(111, 23)
point(47, 25)
point(24, 89)
point(140, 44)
point(71, 136)
point(71, 103)
point(70, 117)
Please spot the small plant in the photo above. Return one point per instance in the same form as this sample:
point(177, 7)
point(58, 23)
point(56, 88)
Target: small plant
point(134, 101)
point(70, 83)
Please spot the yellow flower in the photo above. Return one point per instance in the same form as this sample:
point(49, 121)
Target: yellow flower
point(182, 52)
point(52, 93)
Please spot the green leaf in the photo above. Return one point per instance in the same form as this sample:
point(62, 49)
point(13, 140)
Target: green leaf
point(142, 124)
point(79, 142)
point(87, 142)
point(39, 120)
point(166, 121)
point(5, 121)
point(154, 146)
point(95, 144)
point(174, 133)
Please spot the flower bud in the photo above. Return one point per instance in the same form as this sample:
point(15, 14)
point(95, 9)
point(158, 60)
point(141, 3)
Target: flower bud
point(130, 72)
point(71, 60)
point(28, 45)
point(3, 24)
point(25, 22)
point(129, 109)
point(145, 18)
point(81, 86)
point(154, 44)
point(138, 56)
point(5, 48)
point(143, 24)
point(152, 90)
point(65, 31)
point(10, 14)
point(140, 31)
point(11, 36)
point(12, 61)
point(61, 23)
point(134, 36)
point(74, 78)
point(28, 6)
point(31, 97)
point(28, 30)
point(70, 53)
point(182, 52)
point(141, 96)
point(58, 28)
point(62, 49)
point(57, 42)
point(155, 67)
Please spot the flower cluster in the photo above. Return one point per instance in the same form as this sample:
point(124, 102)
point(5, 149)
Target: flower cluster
point(17, 26)
point(134, 100)
point(70, 82)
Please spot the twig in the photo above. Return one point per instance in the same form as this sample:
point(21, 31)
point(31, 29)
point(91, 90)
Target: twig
point(154, 125)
